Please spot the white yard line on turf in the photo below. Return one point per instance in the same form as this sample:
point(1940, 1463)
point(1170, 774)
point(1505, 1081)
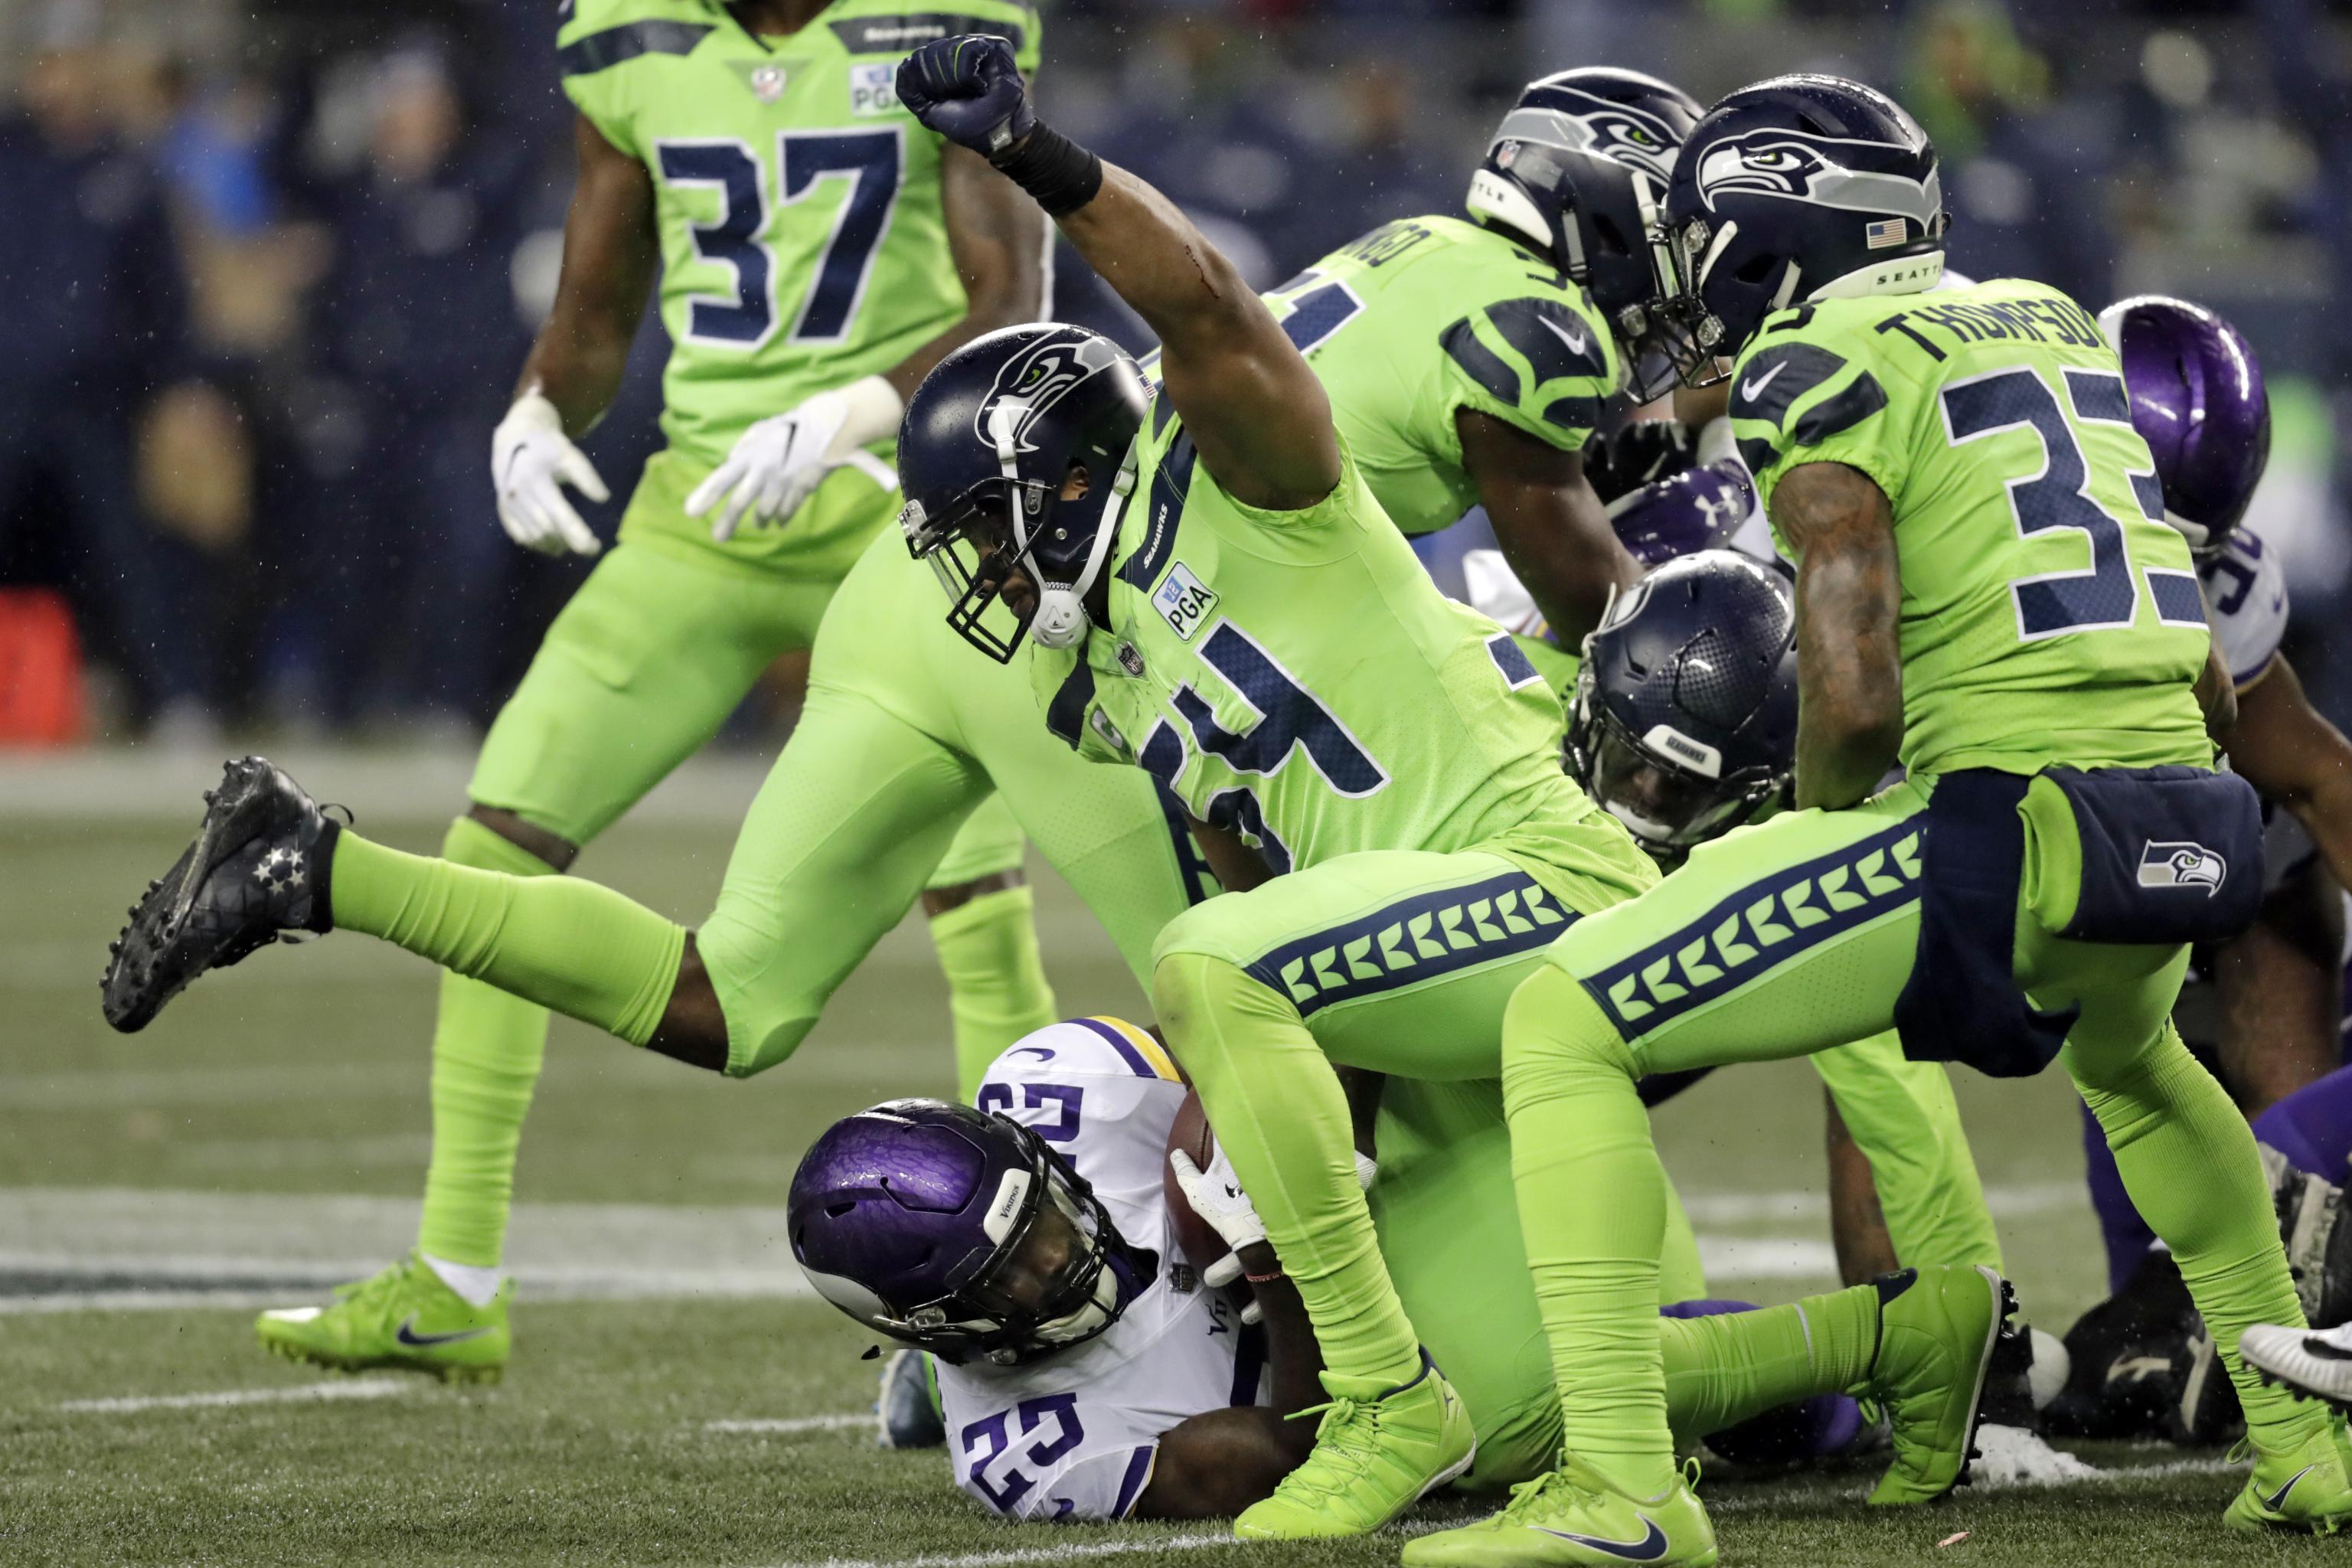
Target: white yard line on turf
point(305, 1394)
point(1031, 1553)
point(842, 1422)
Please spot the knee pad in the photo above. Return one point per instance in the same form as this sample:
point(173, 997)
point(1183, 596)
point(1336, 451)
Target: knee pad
point(1551, 1025)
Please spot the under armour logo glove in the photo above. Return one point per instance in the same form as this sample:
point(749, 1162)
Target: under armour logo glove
point(968, 90)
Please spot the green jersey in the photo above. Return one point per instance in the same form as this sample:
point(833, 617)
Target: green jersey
point(1425, 317)
point(1295, 677)
point(803, 242)
point(2049, 613)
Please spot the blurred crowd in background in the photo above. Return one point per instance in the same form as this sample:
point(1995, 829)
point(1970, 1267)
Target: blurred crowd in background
point(269, 269)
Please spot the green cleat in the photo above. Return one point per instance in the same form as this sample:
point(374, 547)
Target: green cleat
point(1937, 1329)
point(1377, 1451)
point(405, 1318)
point(2306, 1488)
point(1574, 1516)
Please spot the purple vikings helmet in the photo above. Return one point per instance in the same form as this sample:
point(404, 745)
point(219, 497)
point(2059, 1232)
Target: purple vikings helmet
point(2197, 399)
point(916, 1217)
point(1695, 509)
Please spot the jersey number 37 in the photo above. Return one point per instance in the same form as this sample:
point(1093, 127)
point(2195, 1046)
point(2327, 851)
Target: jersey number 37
point(870, 160)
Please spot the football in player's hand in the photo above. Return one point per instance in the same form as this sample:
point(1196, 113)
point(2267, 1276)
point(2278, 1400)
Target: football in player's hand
point(1201, 1244)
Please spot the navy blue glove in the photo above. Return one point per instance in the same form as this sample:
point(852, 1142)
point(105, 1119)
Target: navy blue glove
point(968, 90)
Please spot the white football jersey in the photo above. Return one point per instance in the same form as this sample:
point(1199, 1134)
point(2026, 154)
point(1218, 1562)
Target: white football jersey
point(1073, 1437)
point(2245, 598)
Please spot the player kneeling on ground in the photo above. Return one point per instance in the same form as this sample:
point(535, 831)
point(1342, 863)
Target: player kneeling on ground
point(1088, 1370)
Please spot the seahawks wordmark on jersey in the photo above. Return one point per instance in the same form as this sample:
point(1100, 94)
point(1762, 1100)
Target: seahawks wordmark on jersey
point(1073, 1437)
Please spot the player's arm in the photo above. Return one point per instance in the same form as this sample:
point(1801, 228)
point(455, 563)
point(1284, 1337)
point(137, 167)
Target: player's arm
point(998, 246)
point(2290, 753)
point(611, 249)
point(2217, 694)
point(1849, 657)
point(1254, 411)
point(1215, 1464)
point(610, 253)
point(1553, 529)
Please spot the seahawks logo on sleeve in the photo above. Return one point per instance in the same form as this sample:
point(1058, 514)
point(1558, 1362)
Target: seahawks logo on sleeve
point(1544, 366)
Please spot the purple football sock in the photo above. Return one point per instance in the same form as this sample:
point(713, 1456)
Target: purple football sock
point(2313, 1127)
point(2127, 1235)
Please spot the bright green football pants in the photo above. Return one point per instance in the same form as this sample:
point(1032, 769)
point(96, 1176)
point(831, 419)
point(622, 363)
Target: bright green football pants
point(1403, 962)
point(1783, 939)
point(639, 671)
point(1449, 1230)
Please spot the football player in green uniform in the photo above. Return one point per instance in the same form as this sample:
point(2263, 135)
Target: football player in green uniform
point(1986, 592)
point(818, 252)
point(1211, 594)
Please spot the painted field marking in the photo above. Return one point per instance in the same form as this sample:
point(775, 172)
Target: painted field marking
point(1031, 1553)
point(307, 1394)
point(838, 1423)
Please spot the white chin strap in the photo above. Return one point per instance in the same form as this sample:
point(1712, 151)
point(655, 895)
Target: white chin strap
point(1060, 620)
point(1091, 1319)
point(1640, 826)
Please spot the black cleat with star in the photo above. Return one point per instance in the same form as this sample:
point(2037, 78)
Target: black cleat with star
point(255, 874)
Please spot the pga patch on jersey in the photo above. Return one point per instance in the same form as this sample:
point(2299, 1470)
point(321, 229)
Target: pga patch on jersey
point(1183, 601)
point(2182, 864)
point(873, 90)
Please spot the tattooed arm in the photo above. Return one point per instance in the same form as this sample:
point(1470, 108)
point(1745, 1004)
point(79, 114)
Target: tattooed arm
point(1849, 605)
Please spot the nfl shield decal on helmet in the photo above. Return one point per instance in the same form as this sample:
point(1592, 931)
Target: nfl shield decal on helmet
point(2182, 864)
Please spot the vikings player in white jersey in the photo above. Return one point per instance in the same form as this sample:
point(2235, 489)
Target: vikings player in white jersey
point(1086, 1371)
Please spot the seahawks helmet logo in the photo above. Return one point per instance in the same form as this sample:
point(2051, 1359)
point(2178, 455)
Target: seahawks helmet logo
point(1577, 121)
point(1031, 382)
point(1806, 168)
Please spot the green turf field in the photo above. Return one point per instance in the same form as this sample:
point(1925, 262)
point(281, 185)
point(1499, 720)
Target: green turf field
point(267, 1137)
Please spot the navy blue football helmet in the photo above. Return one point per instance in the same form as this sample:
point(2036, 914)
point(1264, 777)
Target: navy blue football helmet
point(916, 1217)
point(984, 449)
point(1792, 190)
point(1684, 723)
point(2197, 398)
point(1578, 169)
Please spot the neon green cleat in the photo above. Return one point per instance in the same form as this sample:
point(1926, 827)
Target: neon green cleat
point(2306, 1488)
point(1936, 1328)
point(1377, 1451)
point(1574, 1516)
point(405, 1318)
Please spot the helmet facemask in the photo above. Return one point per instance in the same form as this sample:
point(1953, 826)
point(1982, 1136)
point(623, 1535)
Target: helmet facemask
point(1660, 786)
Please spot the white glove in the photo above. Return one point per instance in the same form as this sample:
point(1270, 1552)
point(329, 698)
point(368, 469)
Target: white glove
point(1217, 1197)
point(530, 462)
point(778, 463)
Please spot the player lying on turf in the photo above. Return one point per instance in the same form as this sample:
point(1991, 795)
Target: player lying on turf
point(818, 252)
point(2035, 654)
point(1088, 1370)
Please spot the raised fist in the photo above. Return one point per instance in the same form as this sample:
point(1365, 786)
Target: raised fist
point(968, 90)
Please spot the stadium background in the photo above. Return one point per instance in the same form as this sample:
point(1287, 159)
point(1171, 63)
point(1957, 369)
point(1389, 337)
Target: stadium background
point(269, 267)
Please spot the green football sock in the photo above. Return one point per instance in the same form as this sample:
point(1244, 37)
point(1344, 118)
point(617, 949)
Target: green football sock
point(1592, 1211)
point(2187, 1160)
point(486, 1051)
point(1721, 1370)
point(584, 951)
point(1282, 1118)
point(997, 990)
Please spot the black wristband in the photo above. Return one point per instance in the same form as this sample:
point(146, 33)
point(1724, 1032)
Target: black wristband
point(1062, 175)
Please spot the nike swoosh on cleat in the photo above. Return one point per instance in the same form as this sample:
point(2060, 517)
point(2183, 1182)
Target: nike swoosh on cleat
point(1754, 389)
point(1576, 345)
point(2272, 1502)
point(408, 1335)
point(2319, 1349)
point(1649, 1548)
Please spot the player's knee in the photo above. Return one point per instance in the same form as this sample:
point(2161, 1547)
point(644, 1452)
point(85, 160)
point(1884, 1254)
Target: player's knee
point(1552, 1028)
point(489, 835)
